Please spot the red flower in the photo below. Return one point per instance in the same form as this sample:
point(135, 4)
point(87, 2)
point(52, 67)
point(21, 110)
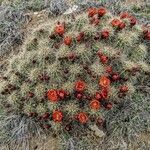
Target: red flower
point(45, 116)
point(133, 21)
point(82, 117)
point(99, 53)
point(115, 77)
point(72, 56)
point(92, 12)
point(109, 69)
point(60, 29)
point(109, 106)
point(67, 40)
point(80, 36)
point(96, 36)
point(30, 95)
point(79, 96)
point(105, 34)
point(104, 93)
point(124, 15)
point(98, 96)
point(96, 22)
point(124, 88)
point(101, 12)
point(145, 31)
point(92, 20)
point(61, 94)
point(104, 82)
point(80, 86)
point(104, 59)
point(115, 22)
point(52, 95)
point(147, 36)
point(57, 116)
point(99, 121)
point(121, 25)
point(95, 104)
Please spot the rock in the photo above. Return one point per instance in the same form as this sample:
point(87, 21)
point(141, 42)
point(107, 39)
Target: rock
point(97, 131)
point(71, 10)
point(56, 7)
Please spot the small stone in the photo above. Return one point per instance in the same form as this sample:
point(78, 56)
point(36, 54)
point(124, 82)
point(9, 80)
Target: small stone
point(97, 131)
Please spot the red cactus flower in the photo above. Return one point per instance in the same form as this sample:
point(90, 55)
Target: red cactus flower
point(104, 82)
point(57, 116)
point(60, 29)
point(45, 116)
point(79, 96)
point(99, 53)
point(133, 21)
point(97, 36)
point(122, 25)
point(30, 95)
point(80, 36)
point(109, 106)
point(115, 77)
point(92, 12)
point(92, 20)
point(99, 121)
point(61, 94)
point(103, 59)
point(105, 34)
point(96, 22)
point(145, 31)
point(72, 56)
point(95, 104)
point(68, 127)
point(52, 95)
point(104, 93)
point(147, 35)
point(101, 12)
point(124, 88)
point(109, 69)
point(80, 86)
point(124, 15)
point(115, 22)
point(82, 117)
point(68, 40)
point(98, 96)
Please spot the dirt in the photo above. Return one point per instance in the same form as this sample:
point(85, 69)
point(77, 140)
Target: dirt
point(145, 137)
point(49, 144)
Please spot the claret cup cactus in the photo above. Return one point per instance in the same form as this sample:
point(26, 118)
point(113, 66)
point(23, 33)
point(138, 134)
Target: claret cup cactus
point(73, 69)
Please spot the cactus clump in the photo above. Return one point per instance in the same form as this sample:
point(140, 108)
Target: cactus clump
point(73, 69)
